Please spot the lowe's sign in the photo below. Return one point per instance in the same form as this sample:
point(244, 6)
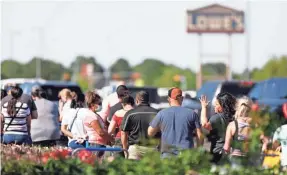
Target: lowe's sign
point(215, 19)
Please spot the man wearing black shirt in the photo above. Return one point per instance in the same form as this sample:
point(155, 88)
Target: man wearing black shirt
point(135, 125)
point(122, 91)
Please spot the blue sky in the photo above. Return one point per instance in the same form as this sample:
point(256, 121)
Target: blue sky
point(135, 30)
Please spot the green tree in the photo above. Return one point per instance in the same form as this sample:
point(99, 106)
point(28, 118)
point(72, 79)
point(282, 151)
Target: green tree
point(121, 65)
point(50, 70)
point(80, 60)
point(12, 69)
point(150, 70)
point(214, 69)
point(275, 67)
point(83, 83)
point(166, 78)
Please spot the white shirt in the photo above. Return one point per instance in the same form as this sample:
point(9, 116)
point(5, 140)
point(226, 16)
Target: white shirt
point(78, 126)
point(67, 106)
point(281, 136)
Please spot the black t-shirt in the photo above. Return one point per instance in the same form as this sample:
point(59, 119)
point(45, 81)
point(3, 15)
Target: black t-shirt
point(136, 123)
point(114, 109)
point(219, 123)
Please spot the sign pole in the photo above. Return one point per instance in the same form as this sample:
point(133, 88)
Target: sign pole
point(247, 38)
point(215, 18)
point(229, 61)
point(199, 74)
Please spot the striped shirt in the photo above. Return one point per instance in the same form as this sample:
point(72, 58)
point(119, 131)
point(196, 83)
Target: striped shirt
point(19, 123)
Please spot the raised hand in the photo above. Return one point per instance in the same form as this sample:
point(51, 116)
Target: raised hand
point(203, 100)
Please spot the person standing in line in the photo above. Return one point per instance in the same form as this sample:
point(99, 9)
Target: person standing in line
point(177, 125)
point(134, 127)
point(66, 97)
point(24, 98)
point(280, 144)
point(94, 125)
point(217, 124)
point(109, 102)
point(48, 134)
point(16, 118)
point(122, 91)
point(238, 133)
point(127, 103)
point(3, 94)
point(65, 102)
point(73, 125)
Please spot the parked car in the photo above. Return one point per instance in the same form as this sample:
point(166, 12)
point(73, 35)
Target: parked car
point(271, 94)
point(153, 93)
point(155, 100)
point(212, 88)
point(18, 81)
point(52, 88)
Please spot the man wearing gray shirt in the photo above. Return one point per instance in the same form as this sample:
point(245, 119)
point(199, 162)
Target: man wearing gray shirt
point(45, 131)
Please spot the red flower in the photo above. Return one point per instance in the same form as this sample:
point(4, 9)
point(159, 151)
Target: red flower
point(84, 154)
point(87, 157)
point(90, 160)
point(45, 158)
point(63, 153)
point(54, 155)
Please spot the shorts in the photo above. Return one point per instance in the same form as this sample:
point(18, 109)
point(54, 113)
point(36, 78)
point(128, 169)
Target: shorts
point(137, 152)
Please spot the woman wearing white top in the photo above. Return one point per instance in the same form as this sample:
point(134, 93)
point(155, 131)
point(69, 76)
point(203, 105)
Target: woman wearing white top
point(66, 97)
point(72, 125)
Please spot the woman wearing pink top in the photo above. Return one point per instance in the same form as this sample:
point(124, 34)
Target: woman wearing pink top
point(97, 132)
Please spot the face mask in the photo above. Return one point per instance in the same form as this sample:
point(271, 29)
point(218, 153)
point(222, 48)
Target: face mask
point(99, 108)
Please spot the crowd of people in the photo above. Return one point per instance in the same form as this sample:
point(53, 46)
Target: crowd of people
point(132, 124)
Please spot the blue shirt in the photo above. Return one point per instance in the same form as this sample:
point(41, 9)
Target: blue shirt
point(177, 125)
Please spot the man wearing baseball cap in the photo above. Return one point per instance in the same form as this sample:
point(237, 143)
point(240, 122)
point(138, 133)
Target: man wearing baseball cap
point(177, 125)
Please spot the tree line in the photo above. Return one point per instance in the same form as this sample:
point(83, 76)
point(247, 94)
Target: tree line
point(154, 72)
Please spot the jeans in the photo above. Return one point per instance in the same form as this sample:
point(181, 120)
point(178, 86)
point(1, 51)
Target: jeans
point(17, 139)
point(75, 145)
